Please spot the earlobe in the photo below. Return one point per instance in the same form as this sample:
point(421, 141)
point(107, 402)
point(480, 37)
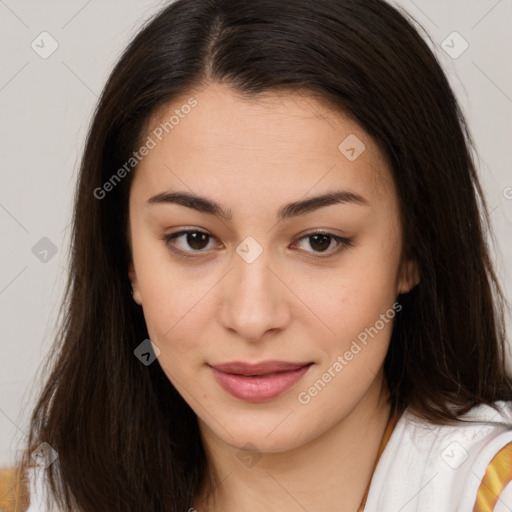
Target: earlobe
point(135, 288)
point(409, 276)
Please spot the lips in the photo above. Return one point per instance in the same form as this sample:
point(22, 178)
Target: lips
point(258, 369)
point(258, 382)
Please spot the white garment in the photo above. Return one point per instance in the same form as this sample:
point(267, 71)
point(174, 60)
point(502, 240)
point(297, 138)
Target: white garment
point(433, 468)
point(36, 490)
point(424, 467)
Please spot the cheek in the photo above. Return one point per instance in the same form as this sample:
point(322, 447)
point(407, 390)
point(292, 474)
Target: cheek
point(172, 294)
point(357, 303)
point(175, 316)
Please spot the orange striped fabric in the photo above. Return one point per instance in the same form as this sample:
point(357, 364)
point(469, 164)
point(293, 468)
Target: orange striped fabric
point(497, 475)
point(14, 494)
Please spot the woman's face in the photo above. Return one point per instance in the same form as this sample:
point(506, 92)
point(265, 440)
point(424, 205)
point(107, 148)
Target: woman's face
point(271, 334)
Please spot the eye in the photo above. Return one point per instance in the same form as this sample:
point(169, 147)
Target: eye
point(321, 241)
point(194, 239)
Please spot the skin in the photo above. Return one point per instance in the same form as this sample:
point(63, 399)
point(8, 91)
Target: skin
point(253, 156)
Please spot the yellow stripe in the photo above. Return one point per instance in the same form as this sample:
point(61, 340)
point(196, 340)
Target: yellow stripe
point(14, 493)
point(497, 475)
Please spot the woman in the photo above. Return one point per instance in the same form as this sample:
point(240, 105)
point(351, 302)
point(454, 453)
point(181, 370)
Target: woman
point(279, 278)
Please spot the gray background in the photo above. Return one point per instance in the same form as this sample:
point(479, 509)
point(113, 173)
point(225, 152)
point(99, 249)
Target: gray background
point(46, 105)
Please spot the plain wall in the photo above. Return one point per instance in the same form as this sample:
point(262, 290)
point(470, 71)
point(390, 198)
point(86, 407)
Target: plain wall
point(46, 105)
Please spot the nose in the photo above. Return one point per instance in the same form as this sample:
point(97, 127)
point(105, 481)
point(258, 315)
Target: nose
point(255, 301)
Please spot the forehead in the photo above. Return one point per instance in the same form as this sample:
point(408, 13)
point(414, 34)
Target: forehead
point(276, 142)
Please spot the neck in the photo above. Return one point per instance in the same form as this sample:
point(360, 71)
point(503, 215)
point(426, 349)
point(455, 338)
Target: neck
point(328, 473)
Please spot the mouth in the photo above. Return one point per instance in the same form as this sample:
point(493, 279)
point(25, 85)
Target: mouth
point(258, 382)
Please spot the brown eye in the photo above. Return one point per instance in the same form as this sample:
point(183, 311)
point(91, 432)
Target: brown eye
point(320, 242)
point(189, 241)
point(196, 240)
point(328, 243)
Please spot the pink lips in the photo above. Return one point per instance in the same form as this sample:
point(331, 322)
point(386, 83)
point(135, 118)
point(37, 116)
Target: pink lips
point(258, 382)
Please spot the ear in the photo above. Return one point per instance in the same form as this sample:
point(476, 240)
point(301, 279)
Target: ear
point(135, 286)
point(409, 276)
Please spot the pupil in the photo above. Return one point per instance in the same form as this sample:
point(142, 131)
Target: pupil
point(324, 238)
point(196, 240)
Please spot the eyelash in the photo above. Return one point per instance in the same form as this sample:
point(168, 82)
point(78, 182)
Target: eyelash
point(343, 243)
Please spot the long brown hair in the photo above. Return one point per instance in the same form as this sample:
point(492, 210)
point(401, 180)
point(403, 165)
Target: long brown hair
point(125, 438)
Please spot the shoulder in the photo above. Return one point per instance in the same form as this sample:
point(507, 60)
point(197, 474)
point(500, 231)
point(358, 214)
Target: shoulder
point(427, 467)
point(37, 489)
point(495, 490)
point(31, 496)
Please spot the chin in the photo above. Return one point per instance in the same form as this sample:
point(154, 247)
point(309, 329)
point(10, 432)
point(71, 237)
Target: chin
point(273, 432)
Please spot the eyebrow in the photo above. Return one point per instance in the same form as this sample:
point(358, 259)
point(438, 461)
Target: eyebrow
point(294, 209)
